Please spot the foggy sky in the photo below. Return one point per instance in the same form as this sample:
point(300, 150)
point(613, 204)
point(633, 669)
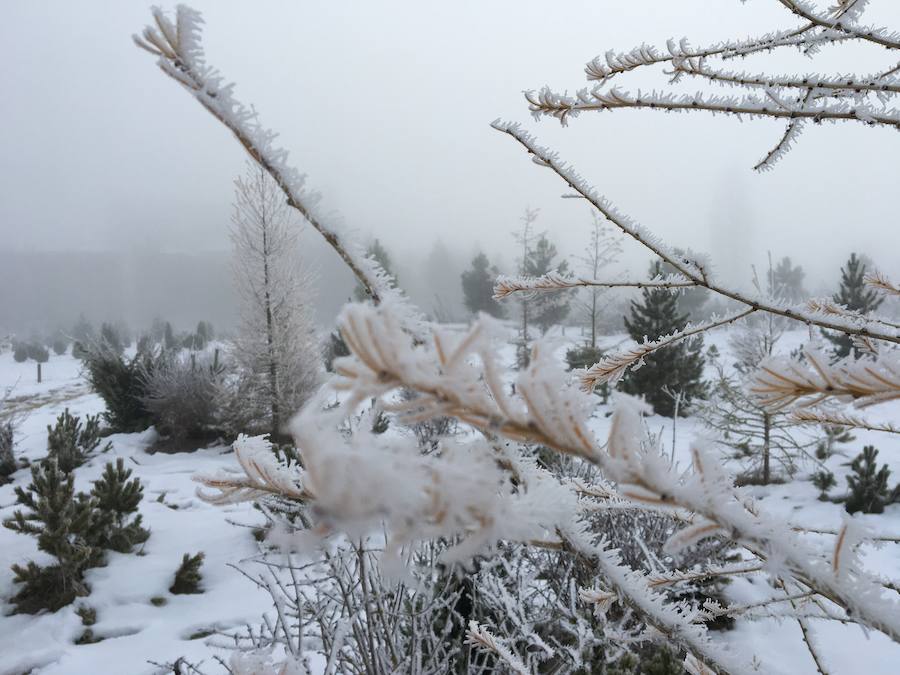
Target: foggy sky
point(386, 107)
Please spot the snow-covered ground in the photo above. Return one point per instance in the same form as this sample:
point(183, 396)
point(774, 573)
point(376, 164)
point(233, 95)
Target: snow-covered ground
point(139, 621)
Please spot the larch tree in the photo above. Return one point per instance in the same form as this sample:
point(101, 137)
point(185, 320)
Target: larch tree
point(277, 351)
point(603, 249)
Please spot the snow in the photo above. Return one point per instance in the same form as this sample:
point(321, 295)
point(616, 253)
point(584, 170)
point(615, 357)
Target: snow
point(136, 631)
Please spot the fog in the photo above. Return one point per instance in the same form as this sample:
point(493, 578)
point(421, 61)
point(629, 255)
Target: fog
point(116, 186)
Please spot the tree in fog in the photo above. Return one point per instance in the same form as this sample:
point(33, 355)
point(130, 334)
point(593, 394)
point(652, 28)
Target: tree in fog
point(478, 287)
point(276, 352)
point(786, 281)
point(857, 297)
point(548, 309)
point(602, 250)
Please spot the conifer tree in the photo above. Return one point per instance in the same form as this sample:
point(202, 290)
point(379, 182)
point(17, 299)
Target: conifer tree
point(674, 371)
point(69, 442)
point(187, 576)
point(786, 281)
point(855, 296)
point(111, 339)
point(478, 288)
point(115, 499)
point(61, 521)
point(8, 463)
point(868, 484)
point(547, 309)
point(169, 340)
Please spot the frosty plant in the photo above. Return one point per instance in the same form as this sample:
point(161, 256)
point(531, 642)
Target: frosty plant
point(487, 489)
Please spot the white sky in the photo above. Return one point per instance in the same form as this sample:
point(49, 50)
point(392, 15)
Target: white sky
point(386, 106)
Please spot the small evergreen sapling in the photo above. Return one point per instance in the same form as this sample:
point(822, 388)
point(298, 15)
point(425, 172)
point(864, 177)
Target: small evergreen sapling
point(856, 296)
point(824, 481)
point(121, 383)
point(677, 369)
point(187, 576)
point(70, 443)
point(869, 485)
point(115, 499)
point(73, 527)
point(8, 463)
point(61, 520)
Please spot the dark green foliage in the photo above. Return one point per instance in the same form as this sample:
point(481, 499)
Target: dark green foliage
point(649, 660)
point(824, 481)
point(83, 331)
point(869, 485)
point(671, 371)
point(115, 500)
point(380, 422)
point(478, 288)
point(73, 527)
point(61, 520)
point(187, 576)
point(584, 357)
point(69, 442)
point(7, 458)
point(20, 352)
point(111, 339)
point(121, 384)
point(546, 309)
point(381, 256)
point(335, 348)
point(855, 296)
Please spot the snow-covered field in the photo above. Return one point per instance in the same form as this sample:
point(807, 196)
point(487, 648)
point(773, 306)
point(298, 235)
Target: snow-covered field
point(140, 622)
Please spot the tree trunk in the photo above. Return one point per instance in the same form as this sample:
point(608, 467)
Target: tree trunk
point(767, 425)
point(270, 340)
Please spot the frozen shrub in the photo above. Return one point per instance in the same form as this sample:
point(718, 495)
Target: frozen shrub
point(70, 443)
point(180, 394)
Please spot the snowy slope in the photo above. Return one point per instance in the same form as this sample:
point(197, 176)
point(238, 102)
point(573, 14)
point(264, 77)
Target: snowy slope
point(136, 631)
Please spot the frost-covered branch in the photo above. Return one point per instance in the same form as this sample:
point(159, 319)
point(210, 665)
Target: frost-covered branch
point(780, 381)
point(180, 55)
point(843, 419)
point(508, 285)
point(693, 270)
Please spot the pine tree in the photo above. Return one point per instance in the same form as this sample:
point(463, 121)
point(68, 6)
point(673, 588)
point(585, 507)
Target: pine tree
point(8, 463)
point(69, 442)
point(855, 296)
point(187, 576)
point(169, 340)
point(61, 521)
point(869, 485)
point(115, 500)
point(786, 281)
point(478, 288)
point(121, 384)
point(548, 309)
point(675, 371)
